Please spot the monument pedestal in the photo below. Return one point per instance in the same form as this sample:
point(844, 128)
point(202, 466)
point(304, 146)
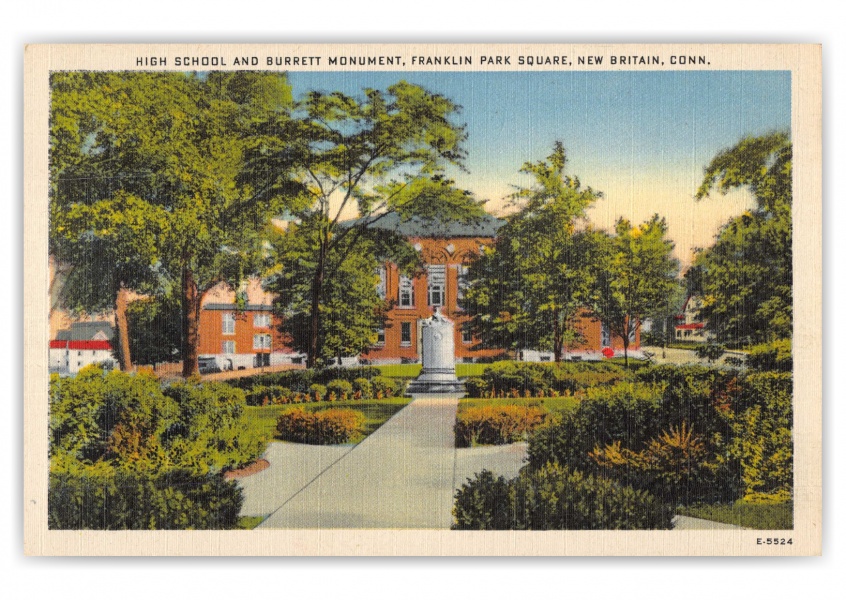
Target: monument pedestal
point(438, 374)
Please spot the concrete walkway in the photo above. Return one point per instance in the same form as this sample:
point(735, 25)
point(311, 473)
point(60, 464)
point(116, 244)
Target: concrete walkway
point(681, 522)
point(401, 476)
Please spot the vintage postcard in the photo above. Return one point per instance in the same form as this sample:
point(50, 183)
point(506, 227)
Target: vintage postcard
point(423, 300)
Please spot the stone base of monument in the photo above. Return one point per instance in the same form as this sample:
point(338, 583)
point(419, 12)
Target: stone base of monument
point(438, 374)
point(436, 383)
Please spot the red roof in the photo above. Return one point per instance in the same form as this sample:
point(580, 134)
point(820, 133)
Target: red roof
point(691, 326)
point(81, 344)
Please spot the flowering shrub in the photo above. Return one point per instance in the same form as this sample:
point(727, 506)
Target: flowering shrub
point(496, 424)
point(342, 389)
point(330, 426)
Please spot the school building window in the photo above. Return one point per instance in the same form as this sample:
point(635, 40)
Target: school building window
point(261, 341)
point(405, 334)
point(382, 286)
point(228, 324)
point(437, 284)
point(229, 347)
point(406, 292)
point(261, 320)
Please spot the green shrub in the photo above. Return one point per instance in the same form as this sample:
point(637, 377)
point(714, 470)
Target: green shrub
point(476, 387)
point(554, 497)
point(342, 389)
point(317, 392)
point(496, 424)
point(710, 351)
point(172, 499)
point(774, 356)
point(363, 389)
point(330, 426)
point(299, 380)
point(510, 379)
point(386, 387)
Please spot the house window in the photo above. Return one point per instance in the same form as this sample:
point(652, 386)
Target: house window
point(380, 337)
point(466, 334)
point(261, 320)
point(228, 324)
point(405, 334)
point(406, 292)
point(261, 341)
point(382, 286)
point(437, 284)
point(229, 347)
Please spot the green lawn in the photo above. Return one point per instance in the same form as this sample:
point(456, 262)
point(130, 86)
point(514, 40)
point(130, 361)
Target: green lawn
point(375, 412)
point(753, 516)
point(550, 404)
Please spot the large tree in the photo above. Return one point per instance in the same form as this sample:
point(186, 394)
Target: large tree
point(746, 277)
point(351, 308)
point(157, 159)
point(636, 279)
point(358, 160)
point(529, 288)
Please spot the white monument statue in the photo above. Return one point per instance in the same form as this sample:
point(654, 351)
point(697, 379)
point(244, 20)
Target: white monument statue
point(438, 374)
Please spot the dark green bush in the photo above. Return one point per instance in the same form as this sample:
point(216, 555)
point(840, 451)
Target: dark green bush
point(299, 380)
point(710, 351)
point(774, 356)
point(476, 387)
point(173, 499)
point(544, 379)
point(341, 388)
point(317, 392)
point(385, 387)
point(363, 388)
point(554, 497)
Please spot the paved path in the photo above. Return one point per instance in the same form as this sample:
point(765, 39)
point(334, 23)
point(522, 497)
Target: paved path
point(681, 522)
point(401, 476)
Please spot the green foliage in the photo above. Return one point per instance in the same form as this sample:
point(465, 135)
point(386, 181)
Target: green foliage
point(155, 329)
point(317, 392)
point(496, 424)
point(341, 388)
point(556, 498)
point(637, 277)
point(127, 454)
point(752, 515)
point(363, 388)
point(509, 378)
point(772, 356)
point(528, 290)
point(299, 380)
point(384, 387)
point(148, 181)
point(747, 275)
point(174, 499)
point(379, 154)
point(331, 426)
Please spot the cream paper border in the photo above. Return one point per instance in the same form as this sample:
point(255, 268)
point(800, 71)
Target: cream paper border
point(804, 63)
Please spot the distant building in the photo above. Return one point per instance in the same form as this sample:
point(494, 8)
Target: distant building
point(242, 335)
point(689, 327)
point(81, 345)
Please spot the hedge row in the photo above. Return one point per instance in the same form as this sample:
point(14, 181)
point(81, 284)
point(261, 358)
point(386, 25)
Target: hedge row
point(336, 390)
point(555, 497)
point(515, 379)
point(299, 380)
point(497, 424)
point(330, 426)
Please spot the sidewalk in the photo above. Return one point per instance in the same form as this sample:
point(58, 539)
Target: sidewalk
point(401, 476)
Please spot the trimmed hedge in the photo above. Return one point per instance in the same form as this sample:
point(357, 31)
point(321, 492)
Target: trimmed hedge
point(496, 424)
point(518, 379)
point(174, 499)
point(293, 387)
point(330, 426)
point(555, 497)
point(299, 380)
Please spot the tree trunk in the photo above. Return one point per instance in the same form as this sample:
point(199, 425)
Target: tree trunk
point(626, 343)
point(314, 322)
point(190, 324)
point(557, 336)
point(122, 327)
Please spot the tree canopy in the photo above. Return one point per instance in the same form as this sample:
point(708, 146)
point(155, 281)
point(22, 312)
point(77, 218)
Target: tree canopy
point(526, 291)
point(746, 277)
point(357, 160)
point(157, 160)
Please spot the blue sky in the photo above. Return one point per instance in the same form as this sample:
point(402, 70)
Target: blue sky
point(641, 137)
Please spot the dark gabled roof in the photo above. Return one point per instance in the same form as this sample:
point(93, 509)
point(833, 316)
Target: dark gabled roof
point(86, 331)
point(485, 226)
